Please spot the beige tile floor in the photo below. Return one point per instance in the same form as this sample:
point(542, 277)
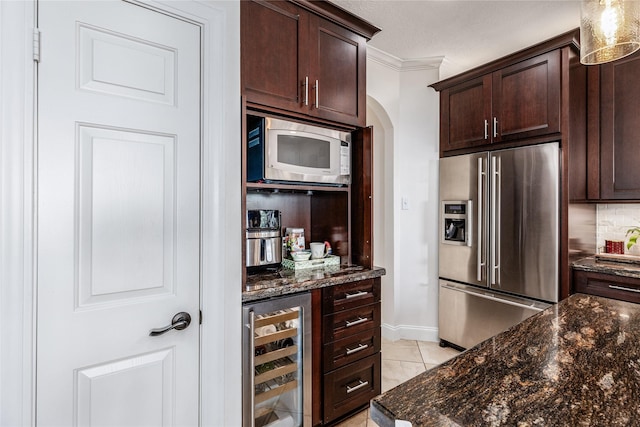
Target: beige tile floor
point(402, 360)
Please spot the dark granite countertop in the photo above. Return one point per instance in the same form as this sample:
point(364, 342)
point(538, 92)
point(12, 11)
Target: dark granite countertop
point(266, 285)
point(576, 363)
point(591, 264)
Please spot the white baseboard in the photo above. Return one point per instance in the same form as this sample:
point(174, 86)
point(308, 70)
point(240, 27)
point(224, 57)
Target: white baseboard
point(409, 332)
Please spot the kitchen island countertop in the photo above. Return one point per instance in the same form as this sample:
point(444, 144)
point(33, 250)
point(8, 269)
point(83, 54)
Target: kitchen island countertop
point(576, 363)
point(283, 282)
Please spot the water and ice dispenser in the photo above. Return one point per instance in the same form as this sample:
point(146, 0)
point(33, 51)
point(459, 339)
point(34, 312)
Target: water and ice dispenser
point(455, 223)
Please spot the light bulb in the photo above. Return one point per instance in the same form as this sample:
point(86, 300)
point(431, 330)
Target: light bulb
point(609, 23)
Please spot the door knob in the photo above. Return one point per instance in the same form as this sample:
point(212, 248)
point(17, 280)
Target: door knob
point(179, 322)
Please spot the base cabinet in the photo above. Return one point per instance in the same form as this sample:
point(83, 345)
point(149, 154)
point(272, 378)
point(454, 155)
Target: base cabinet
point(607, 285)
point(351, 387)
point(350, 357)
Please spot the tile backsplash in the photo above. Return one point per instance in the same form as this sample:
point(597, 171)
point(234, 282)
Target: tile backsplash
point(613, 221)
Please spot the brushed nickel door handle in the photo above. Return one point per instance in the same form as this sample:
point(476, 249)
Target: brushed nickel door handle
point(179, 322)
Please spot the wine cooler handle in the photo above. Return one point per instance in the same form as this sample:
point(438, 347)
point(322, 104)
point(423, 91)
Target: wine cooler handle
point(252, 363)
point(179, 322)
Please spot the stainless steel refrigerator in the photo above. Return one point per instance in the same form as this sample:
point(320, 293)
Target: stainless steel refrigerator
point(499, 236)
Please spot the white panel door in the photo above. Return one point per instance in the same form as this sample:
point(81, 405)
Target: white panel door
point(118, 216)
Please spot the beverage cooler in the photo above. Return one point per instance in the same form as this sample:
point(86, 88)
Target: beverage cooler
point(276, 383)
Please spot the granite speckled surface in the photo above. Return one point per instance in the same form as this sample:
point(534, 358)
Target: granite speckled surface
point(591, 264)
point(575, 364)
point(283, 282)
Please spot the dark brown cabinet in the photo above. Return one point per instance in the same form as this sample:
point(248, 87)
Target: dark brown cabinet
point(350, 341)
point(514, 103)
point(272, 62)
point(607, 285)
point(296, 60)
point(614, 130)
point(532, 96)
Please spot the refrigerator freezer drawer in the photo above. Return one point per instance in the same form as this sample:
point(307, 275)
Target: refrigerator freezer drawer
point(469, 315)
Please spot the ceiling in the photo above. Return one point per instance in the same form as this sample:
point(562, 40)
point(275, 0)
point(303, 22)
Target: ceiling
point(465, 33)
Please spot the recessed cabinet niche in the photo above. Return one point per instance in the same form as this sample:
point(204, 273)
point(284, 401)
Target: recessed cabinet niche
point(340, 215)
point(296, 60)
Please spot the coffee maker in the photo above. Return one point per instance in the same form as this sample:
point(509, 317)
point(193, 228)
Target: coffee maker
point(264, 238)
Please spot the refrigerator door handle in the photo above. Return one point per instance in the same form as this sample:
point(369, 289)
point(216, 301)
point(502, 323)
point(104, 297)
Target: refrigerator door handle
point(492, 297)
point(480, 261)
point(495, 221)
point(470, 223)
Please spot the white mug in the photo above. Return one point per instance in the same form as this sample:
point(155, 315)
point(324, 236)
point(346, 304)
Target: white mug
point(317, 250)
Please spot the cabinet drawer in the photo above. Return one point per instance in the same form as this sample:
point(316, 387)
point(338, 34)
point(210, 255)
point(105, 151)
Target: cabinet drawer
point(354, 347)
point(350, 295)
point(351, 387)
point(607, 285)
point(342, 324)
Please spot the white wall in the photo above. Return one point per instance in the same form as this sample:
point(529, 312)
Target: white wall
point(399, 93)
point(613, 221)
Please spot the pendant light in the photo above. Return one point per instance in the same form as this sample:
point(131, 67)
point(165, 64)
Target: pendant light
point(609, 30)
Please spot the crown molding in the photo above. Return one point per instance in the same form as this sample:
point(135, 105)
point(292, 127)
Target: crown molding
point(402, 65)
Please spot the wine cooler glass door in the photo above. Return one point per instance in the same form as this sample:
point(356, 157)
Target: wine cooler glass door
point(276, 385)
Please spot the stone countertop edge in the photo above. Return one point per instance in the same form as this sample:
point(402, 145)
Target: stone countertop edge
point(592, 265)
point(272, 285)
point(380, 415)
point(575, 363)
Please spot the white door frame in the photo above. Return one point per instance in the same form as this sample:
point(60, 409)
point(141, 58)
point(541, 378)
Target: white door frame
point(221, 210)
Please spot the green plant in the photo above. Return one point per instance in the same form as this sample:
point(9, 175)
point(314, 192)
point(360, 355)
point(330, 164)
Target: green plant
point(634, 233)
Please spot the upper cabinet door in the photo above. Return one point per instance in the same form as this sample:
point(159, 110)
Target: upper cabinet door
point(297, 61)
point(464, 114)
point(526, 99)
point(514, 103)
point(273, 63)
point(620, 129)
point(337, 59)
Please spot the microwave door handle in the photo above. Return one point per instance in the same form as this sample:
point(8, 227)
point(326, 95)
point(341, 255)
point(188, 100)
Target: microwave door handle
point(262, 250)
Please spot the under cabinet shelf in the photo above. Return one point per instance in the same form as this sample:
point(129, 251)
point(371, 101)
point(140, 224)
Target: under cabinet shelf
point(257, 187)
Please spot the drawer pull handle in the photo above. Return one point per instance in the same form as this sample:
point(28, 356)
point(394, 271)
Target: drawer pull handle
point(356, 322)
point(359, 386)
point(360, 347)
point(355, 295)
point(622, 288)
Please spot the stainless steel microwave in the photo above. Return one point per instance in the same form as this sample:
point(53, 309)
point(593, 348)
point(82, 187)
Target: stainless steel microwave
point(284, 151)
